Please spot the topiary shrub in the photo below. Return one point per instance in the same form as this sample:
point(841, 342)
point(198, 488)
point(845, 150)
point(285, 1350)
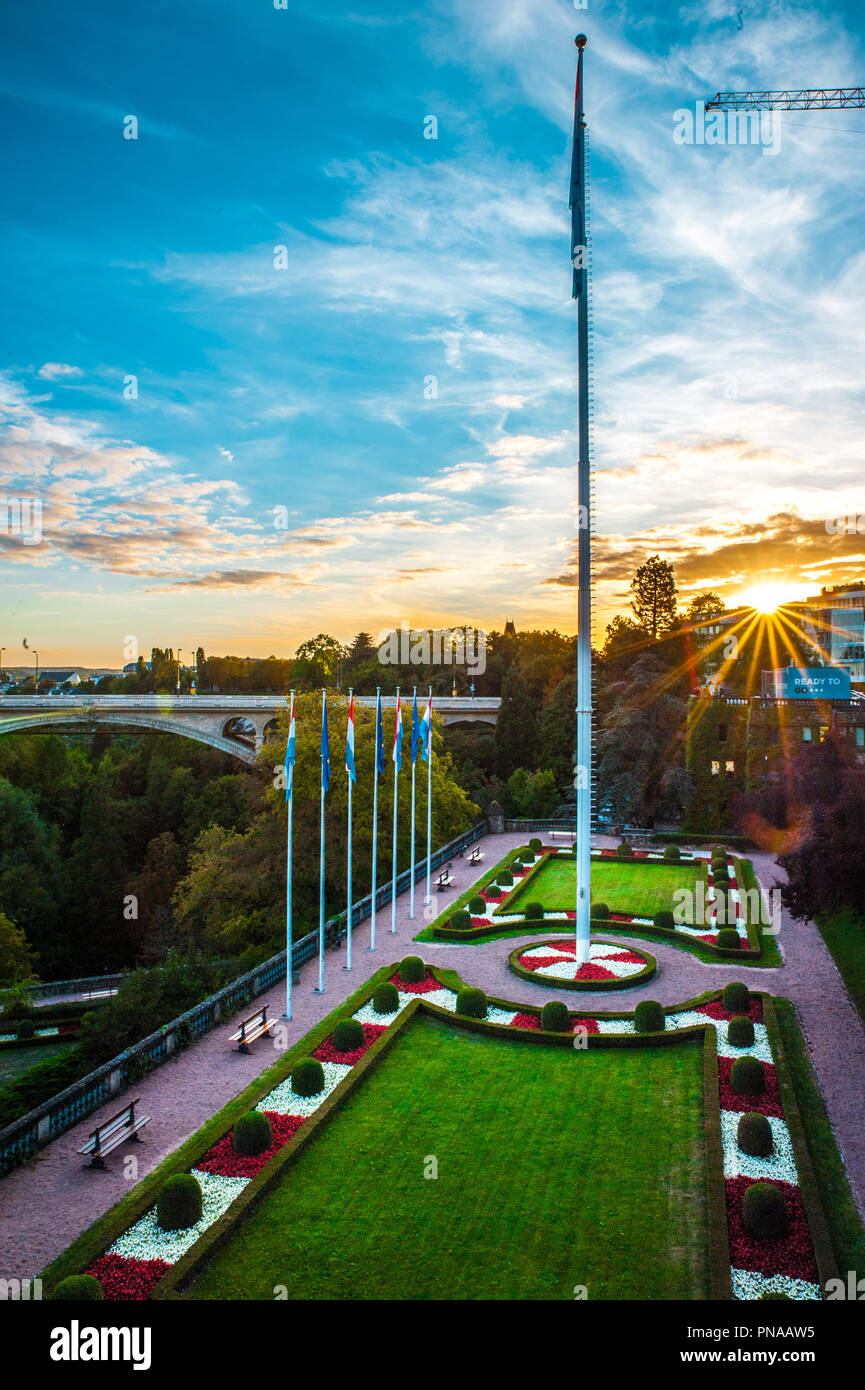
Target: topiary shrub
point(252, 1134)
point(555, 1017)
point(348, 1035)
point(624, 850)
point(764, 1211)
point(721, 884)
point(747, 1077)
point(459, 919)
point(78, 1288)
point(477, 906)
point(534, 912)
point(672, 854)
point(665, 920)
point(736, 997)
point(412, 969)
point(307, 1079)
point(472, 1002)
point(649, 1017)
point(728, 939)
point(178, 1205)
point(740, 1032)
point(26, 1029)
point(386, 999)
point(599, 910)
point(505, 879)
point(517, 865)
point(535, 845)
point(754, 1135)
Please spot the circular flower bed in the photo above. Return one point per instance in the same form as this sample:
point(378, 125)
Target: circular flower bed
point(609, 965)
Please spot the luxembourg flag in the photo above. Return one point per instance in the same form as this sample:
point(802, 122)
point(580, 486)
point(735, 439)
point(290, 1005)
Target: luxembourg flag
point(289, 755)
point(397, 735)
point(426, 730)
point(349, 743)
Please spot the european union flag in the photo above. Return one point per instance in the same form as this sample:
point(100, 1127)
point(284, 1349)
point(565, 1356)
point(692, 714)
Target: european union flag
point(325, 747)
point(379, 738)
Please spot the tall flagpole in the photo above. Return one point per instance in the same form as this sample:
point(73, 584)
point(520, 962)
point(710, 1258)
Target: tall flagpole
point(289, 796)
point(375, 776)
point(429, 800)
point(320, 989)
point(413, 759)
point(395, 805)
point(350, 771)
point(582, 847)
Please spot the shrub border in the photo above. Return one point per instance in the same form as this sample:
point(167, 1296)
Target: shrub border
point(625, 982)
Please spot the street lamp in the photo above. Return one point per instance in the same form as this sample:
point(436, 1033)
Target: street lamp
point(178, 670)
point(36, 681)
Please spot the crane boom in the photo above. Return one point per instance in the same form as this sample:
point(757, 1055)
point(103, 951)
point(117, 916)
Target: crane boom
point(809, 99)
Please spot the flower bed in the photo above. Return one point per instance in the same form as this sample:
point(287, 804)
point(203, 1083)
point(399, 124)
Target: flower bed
point(608, 966)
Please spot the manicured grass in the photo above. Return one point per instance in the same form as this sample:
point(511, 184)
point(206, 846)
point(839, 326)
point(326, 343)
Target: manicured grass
point(642, 889)
point(771, 954)
point(844, 934)
point(842, 1215)
point(556, 1167)
point(14, 1061)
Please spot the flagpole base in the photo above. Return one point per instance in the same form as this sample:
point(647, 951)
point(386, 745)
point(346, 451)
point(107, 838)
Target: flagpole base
point(318, 990)
point(346, 967)
point(286, 1018)
point(370, 948)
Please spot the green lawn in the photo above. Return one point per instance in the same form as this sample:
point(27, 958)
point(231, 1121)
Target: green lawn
point(844, 934)
point(14, 1061)
point(555, 1168)
point(638, 888)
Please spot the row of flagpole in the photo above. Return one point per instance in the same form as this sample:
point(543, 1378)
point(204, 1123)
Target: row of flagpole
point(421, 742)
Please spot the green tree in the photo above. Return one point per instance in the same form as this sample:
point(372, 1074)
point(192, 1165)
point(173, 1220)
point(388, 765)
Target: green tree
point(316, 662)
point(516, 725)
point(704, 607)
point(532, 793)
point(654, 596)
point(17, 961)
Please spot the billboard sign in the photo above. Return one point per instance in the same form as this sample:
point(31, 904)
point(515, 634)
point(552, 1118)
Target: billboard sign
point(815, 683)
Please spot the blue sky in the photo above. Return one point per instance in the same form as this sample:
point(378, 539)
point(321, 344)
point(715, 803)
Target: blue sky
point(728, 309)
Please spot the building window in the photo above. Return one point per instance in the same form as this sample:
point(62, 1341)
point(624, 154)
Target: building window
point(722, 733)
point(824, 729)
point(730, 766)
point(860, 736)
point(716, 768)
point(806, 734)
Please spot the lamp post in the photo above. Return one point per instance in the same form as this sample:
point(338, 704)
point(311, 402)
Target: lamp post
point(179, 654)
point(36, 677)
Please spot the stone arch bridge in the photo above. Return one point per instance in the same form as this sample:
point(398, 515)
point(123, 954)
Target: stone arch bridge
point(235, 724)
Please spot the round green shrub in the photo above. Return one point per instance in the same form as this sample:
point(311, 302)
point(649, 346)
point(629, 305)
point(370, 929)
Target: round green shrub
point(665, 920)
point(517, 865)
point(534, 912)
point(672, 854)
point(178, 1205)
point(307, 1079)
point(740, 1032)
point(754, 1135)
point(728, 939)
point(252, 1133)
point(348, 1035)
point(747, 1077)
point(721, 883)
point(725, 909)
point(459, 919)
point(26, 1029)
point(649, 1017)
point(555, 1017)
point(505, 879)
point(624, 850)
point(78, 1288)
point(599, 910)
point(764, 1212)
point(412, 970)
point(386, 999)
point(736, 997)
point(535, 845)
point(477, 906)
point(472, 1002)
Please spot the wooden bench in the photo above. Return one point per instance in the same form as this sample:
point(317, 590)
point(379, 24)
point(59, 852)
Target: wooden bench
point(476, 857)
point(444, 880)
point(565, 834)
point(113, 1132)
point(256, 1026)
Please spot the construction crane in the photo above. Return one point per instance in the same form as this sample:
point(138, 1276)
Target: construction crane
point(809, 99)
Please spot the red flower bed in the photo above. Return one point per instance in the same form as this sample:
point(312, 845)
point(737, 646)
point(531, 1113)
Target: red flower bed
point(127, 1281)
point(792, 1255)
point(326, 1052)
point(525, 1021)
point(713, 941)
point(424, 986)
point(535, 962)
point(590, 971)
point(716, 1010)
point(769, 1103)
point(620, 917)
point(64, 1028)
point(590, 1025)
point(629, 957)
point(481, 922)
point(491, 897)
point(222, 1160)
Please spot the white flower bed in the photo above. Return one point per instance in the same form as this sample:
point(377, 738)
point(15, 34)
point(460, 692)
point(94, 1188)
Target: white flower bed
point(615, 1025)
point(780, 1164)
point(368, 1015)
point(146, 1240)
point(38, 1033)
point(747, 1283)
point(284, 1102)
point(505, 1016)
point(445, 998)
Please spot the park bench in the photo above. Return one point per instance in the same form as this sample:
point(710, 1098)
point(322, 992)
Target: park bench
point(113, 1132)
point(444, 880)
point(476, 857)
point(565, 834)
point(256, 1026)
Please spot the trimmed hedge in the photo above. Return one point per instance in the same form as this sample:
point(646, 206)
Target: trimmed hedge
point(348, 1035)
point(764, 1211)
point(78, 1288)
point(555, 1017)
point(649, 1017)
point(534, 912)
point(505, 879)
point(624, 850)
point(26, 1029)
point(754, 1134)
point(472, 1002)
point(535, 845)
point(736, 997)
point(740, 1032)
point(665, 920)
point(252, 1134)
point(599, 910)
point(307, 1079)
point(385, 1000)
point(728, 939)
point(672, 854)
point(412, 970)
point(179, 1203)
point(459, 920)
point(747, 1077)
point(477, 907)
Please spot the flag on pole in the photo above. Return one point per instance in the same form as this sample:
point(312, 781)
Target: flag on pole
point(415, 730)
point(397, 735)
point(426, 730)
point(379, 738)
point(289, 755)
point(325, 747)
point(349, 743)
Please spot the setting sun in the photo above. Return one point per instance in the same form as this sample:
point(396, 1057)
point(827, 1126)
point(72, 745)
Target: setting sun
point(766, 597)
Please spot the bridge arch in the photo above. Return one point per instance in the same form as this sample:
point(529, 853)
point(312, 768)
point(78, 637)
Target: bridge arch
point(62, 720)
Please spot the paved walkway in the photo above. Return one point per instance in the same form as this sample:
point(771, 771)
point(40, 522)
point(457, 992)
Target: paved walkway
point(50, 1201)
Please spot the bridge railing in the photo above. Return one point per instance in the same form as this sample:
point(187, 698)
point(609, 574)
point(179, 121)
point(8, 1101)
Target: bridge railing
point(25, 1136)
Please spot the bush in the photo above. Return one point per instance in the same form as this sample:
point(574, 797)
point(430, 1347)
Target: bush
point(459, 919)
point(307, 1079)
point(599, 910)
point(252, 1133)
point(747, 1077)
point(26, 1029)
point(736, 997)
point(348, 1035)
point(472, 1002)
point(624, 850)
point(672, 854)
point(665, 920)
point(412, 969)
point(725, 908)
point(740, 1032)
point(555, 1017)
point(534, 912)
point(721, 884)
point(728, 939)
point(505, 879)
point(535, 845)
point(649, 1017)
point(78, 1288)
point(178, 1205)
point(477, 906)
point(764, 1211)
point(386, 999)
point(754, 1135)
point(517, 865)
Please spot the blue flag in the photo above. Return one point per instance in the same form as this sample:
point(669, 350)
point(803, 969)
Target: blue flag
point(325, 748)
point(415, 731)
point(289, 755)
point(379, 738)
point(397, 735)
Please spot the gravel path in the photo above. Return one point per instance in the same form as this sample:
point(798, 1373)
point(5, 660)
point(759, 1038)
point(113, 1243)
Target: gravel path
point(50, 1201)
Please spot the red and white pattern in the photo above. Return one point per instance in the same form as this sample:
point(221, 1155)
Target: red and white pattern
point(556, 960)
